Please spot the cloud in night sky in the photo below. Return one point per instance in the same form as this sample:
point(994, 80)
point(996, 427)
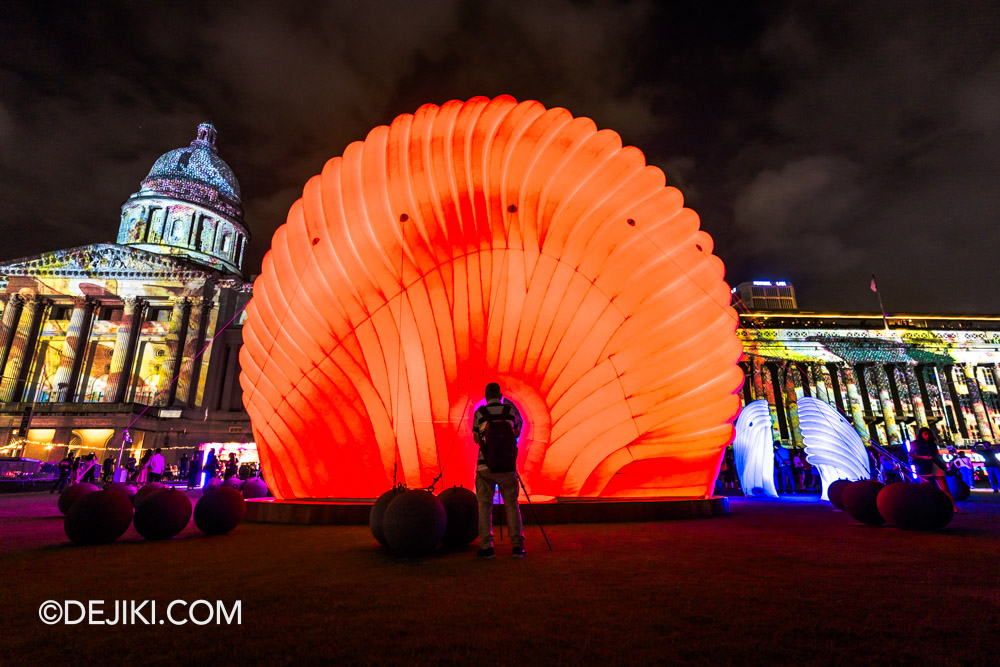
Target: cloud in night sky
point(819, 142)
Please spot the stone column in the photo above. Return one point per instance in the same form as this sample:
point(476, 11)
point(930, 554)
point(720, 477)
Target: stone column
point(976, 398)
point(856, 406)
point(21, 349)
point(175, 348)
point(205, 340)
point(118, 377)
point(956, 404)
point(8, 327)
point(190, 349)
point(819, 381)
point(73, 346)
point(768, 388)
point(756, 376)
point(793, 391)
point(885, 400)
point(916, 399)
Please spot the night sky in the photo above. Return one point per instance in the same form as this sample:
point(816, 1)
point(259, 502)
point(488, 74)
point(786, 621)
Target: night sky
point(819, 141)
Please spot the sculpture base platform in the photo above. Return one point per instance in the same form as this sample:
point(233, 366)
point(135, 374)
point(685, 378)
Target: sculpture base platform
point(353, 512)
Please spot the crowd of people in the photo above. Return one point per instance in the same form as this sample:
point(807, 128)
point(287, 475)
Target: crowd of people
point(794, 474)
point(151, 467)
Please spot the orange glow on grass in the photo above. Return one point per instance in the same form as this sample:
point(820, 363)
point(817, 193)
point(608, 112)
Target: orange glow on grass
point(491, 240)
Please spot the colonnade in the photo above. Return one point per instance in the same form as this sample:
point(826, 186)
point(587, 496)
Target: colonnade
point(22, 322)
point(886, 402)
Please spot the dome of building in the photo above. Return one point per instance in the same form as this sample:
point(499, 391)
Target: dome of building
point(189, 206)
point(197, 174)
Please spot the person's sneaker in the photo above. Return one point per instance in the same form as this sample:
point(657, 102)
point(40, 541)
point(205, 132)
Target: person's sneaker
point(487, 554)
point(519, 552)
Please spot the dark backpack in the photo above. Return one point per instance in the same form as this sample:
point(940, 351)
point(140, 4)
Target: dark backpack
point(498, 443)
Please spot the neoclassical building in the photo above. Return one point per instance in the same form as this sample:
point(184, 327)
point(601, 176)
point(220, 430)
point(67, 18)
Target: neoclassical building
point(889, 377)
point(142, 334)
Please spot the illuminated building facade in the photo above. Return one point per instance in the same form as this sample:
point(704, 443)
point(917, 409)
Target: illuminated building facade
point(91, 338)
point(925, 370)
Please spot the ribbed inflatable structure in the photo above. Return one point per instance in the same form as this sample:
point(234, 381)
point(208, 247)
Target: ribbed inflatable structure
point(753, 450)
point(479, 241)
point(832, 444)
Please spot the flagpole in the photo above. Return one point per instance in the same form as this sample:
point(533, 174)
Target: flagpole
point(885, 319)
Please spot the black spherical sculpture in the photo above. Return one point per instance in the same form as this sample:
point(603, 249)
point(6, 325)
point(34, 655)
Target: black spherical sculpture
point(462, 511)
point(73, 493)
point(98, 518)
point(377, 514)
point(162, 514)
point(959, 489)
point(835, 492)
point(255, 487)
point(914, 506)
point(861, 501)
point(414, 523)
point(219, 510)
point(145, 491)
point(122, 487)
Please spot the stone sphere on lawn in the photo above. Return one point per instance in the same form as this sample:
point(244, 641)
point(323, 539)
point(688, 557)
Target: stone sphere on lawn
point(377, 514)
point(255, 487)
point(162, 514)
point(122, 487)
point(861, 501)
point(959, 489)
point(835, 492)
point(98, 518)
point(219, 510)
point(73, 493)
point(920, 506)
point(144, 491)
point(414, 523)
point(462, 511)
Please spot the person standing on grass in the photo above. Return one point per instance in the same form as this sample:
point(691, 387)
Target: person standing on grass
point(108, 470)
point(496, 428)
point(212, 468)
point(65, 467)
point(783, 468)
point(194, 471)
point(930, 466)
point(143, 475)
point(992, 466)
point(157, 464)
point(963, 464)
point(232, 466)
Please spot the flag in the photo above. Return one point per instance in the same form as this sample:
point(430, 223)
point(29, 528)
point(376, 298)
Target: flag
point(874, 286)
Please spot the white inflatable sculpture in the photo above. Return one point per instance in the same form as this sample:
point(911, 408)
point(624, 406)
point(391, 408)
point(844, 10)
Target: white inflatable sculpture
point(832, 444)
point(753, 450)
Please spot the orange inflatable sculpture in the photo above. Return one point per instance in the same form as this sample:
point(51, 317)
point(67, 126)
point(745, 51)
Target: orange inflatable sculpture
point(491, 240)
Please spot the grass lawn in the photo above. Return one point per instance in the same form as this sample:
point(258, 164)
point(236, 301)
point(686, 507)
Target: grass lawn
point(775, 582)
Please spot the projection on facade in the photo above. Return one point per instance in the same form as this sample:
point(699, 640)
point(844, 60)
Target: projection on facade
point(491, 240)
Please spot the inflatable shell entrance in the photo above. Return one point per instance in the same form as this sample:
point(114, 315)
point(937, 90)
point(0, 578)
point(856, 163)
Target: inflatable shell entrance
point(479, 241)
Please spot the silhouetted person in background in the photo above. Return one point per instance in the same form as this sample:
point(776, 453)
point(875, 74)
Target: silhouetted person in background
point(108, 470)
point(992, 466)
point(65, 468)
point(157, 464)
point(232, 466)
point(783, 469)
point(194, 471)
point(931, 467)
point(211, 467)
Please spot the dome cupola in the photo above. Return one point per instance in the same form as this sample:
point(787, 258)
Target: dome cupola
point(189, 205)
